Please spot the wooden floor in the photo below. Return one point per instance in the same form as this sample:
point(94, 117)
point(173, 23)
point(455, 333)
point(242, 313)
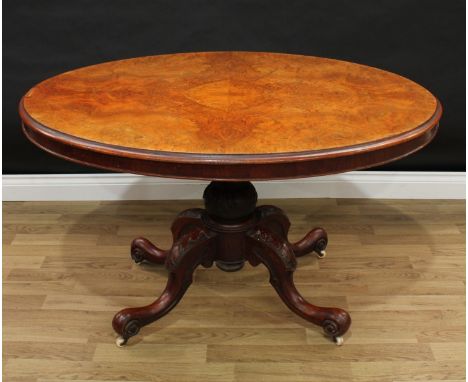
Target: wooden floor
point(397, 266)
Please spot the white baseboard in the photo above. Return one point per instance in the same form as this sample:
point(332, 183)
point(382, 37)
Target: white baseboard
point(358, 184)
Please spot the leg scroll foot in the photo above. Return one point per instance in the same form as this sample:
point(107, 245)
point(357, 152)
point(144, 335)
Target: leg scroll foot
point(193, 248)
point(277, 255)
point(315, 241)
point(143, 250)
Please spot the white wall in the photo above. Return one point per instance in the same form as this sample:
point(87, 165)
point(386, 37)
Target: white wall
point(358, 184)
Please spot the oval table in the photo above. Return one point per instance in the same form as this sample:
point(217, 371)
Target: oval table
point(230, 117)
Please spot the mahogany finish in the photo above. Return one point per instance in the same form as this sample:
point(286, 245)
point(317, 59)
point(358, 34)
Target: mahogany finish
point(229, 231)
point(230, 117)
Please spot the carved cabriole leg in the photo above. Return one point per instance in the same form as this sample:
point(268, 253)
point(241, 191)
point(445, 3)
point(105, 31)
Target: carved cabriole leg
point(315, 241)
point(143, 250)
point(190, 250)
point(229, 231)
point(270, 247)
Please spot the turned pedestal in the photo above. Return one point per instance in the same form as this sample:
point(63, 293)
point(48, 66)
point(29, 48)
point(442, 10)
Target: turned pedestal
point(229, 231)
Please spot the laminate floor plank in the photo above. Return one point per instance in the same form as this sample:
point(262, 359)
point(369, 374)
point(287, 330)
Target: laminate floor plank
point(398, 267)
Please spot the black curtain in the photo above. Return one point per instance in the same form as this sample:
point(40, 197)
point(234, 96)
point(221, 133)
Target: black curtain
point(423, 40)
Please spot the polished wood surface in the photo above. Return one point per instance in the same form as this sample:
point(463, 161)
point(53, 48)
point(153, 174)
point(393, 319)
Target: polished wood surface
point(230, 103)
point(222, 108)
point(397, 266)
point(230, 231)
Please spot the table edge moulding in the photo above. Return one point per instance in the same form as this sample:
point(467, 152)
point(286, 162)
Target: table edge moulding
point(229, 167)
point(231, 229)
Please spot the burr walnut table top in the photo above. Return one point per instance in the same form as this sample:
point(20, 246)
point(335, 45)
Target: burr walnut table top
point(230, 115)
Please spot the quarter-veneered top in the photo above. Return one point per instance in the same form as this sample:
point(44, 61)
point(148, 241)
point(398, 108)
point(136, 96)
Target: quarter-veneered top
point(226, 107)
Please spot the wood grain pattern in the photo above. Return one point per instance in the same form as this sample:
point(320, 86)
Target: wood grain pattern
point(230, 103)
point(230, 115)
point(59, 297)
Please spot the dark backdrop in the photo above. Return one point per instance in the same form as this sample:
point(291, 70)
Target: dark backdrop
point(420, 39)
